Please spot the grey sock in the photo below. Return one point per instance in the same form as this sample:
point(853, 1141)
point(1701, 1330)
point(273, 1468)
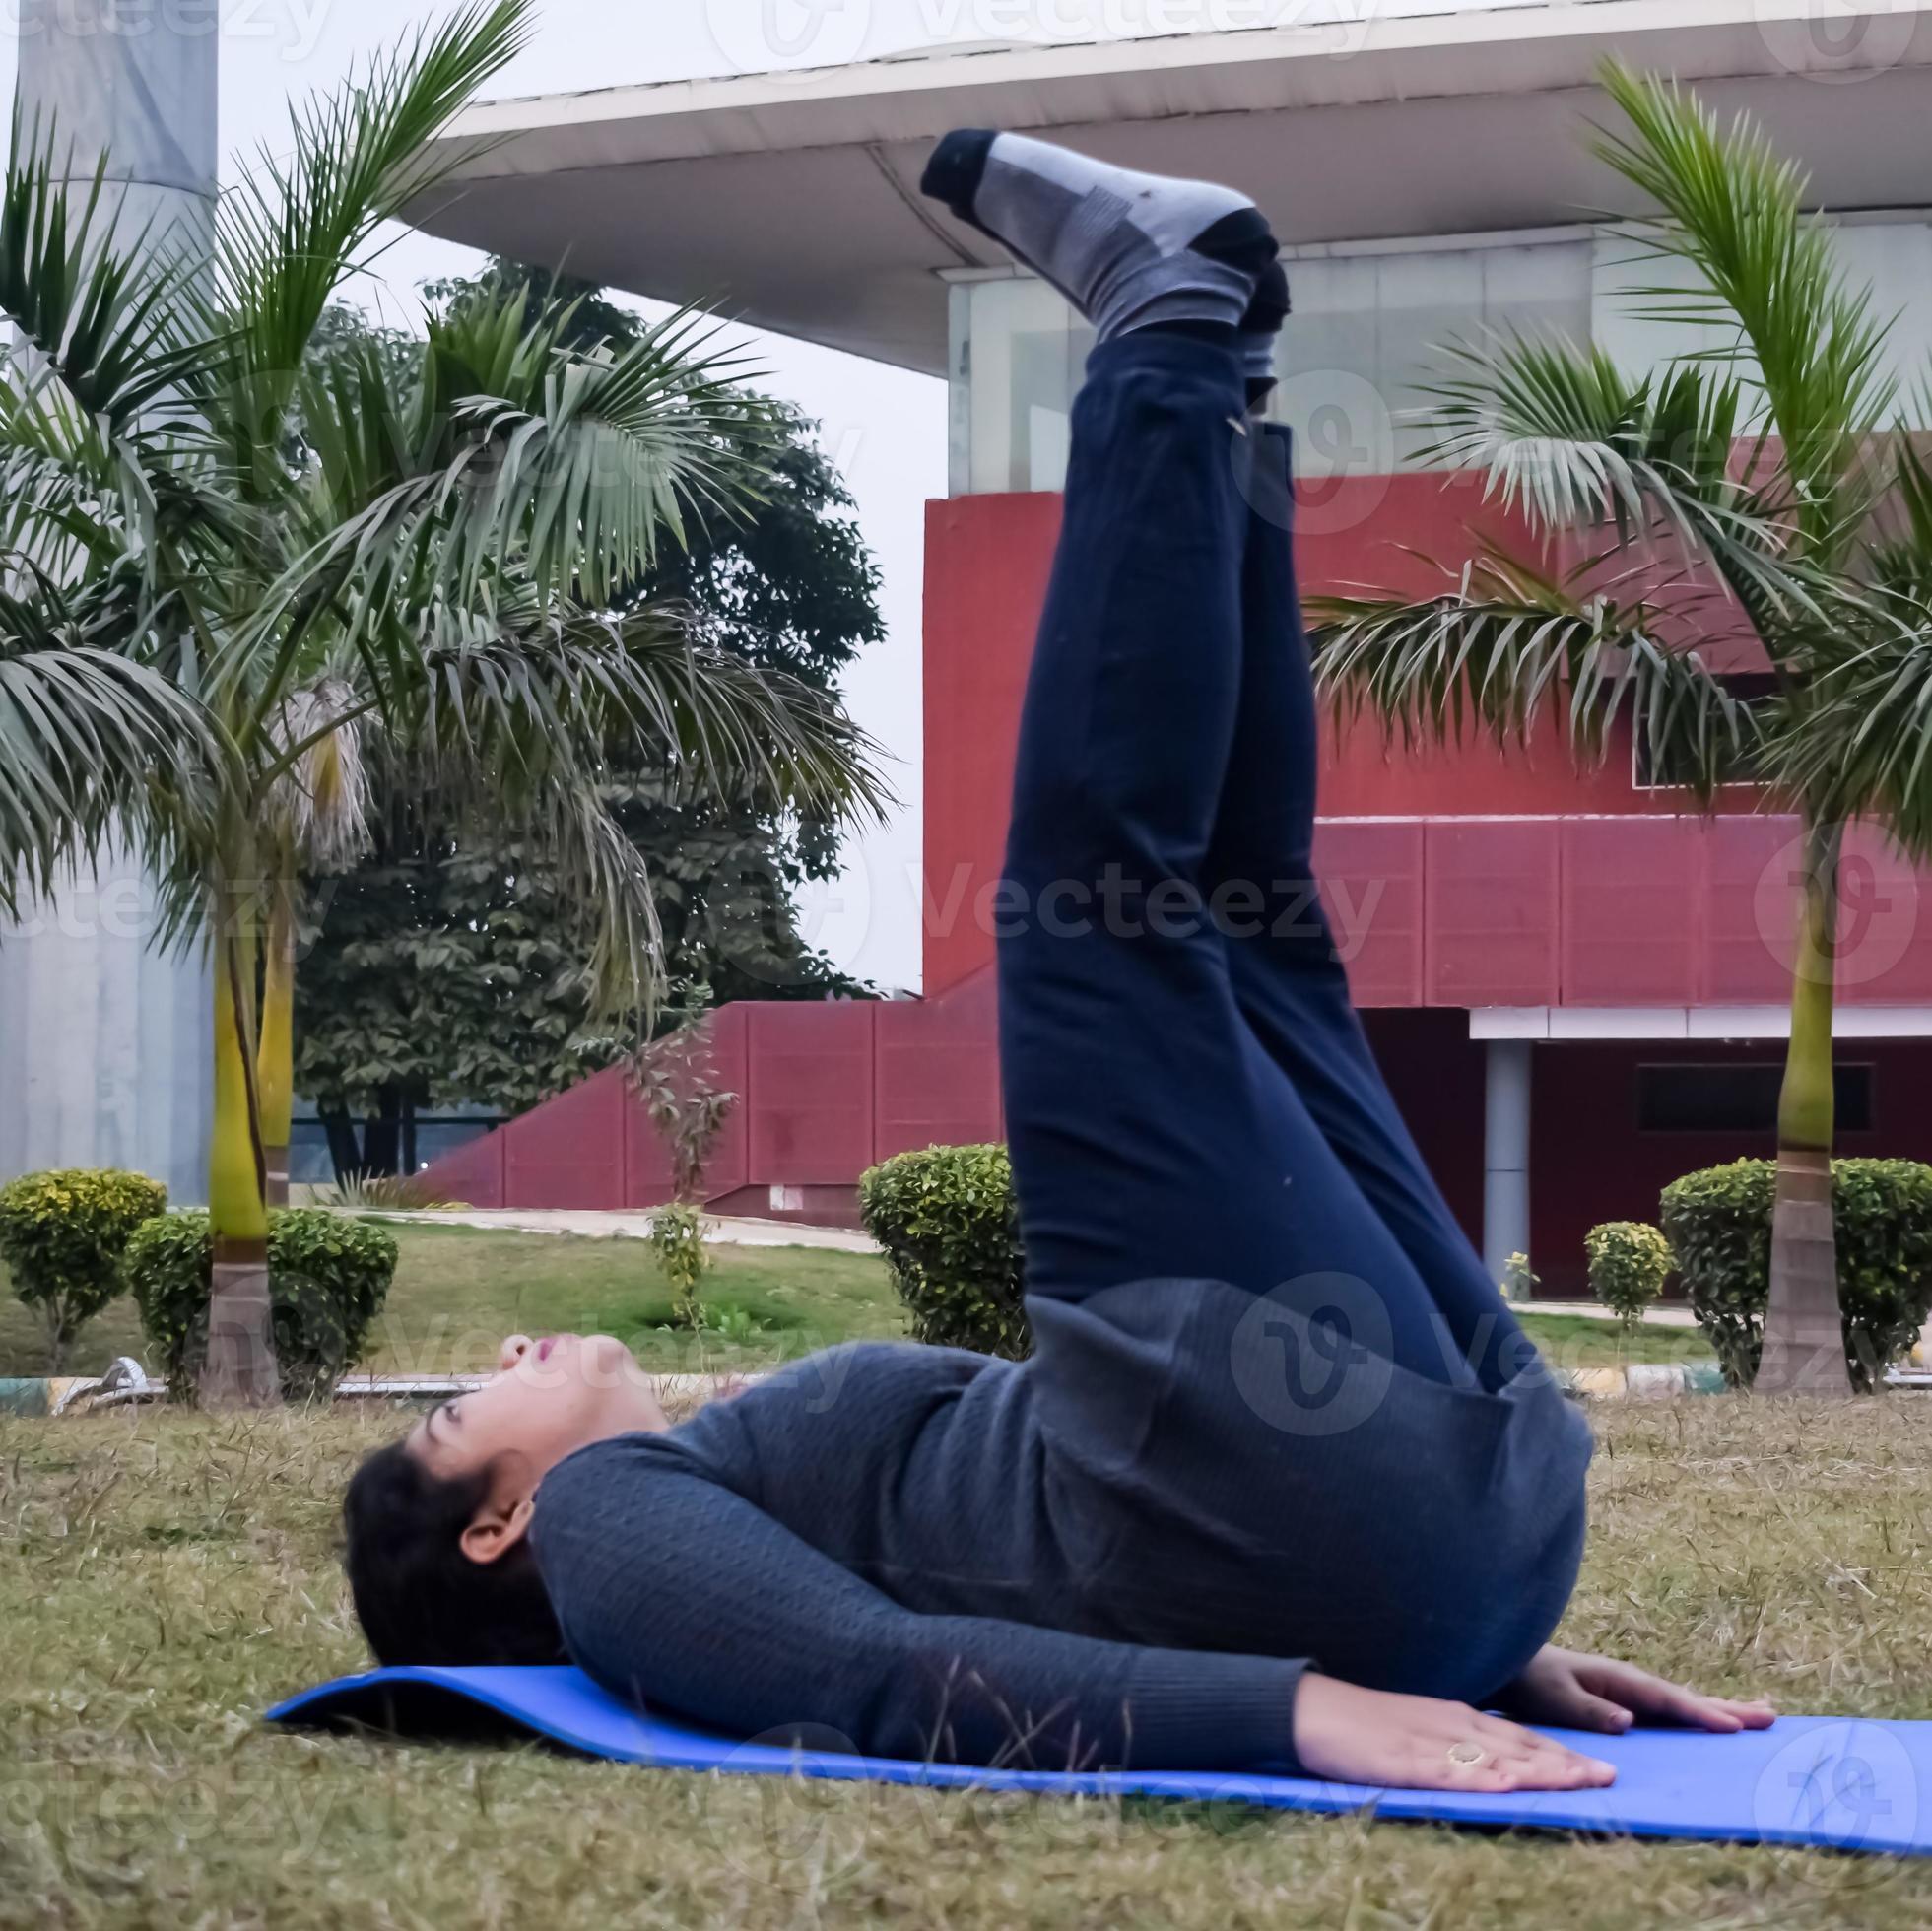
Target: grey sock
point(1126, 250)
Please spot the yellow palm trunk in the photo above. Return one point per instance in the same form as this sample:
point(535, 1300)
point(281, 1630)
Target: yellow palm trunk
point(238, 1368)
point(276, 1060)
point(1804, 1338)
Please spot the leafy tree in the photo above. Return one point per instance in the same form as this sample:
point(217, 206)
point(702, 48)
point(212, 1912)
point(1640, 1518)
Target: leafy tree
point(1773, 465)
point(207, 642)
point(787, 583)
point(448, 967)
point(446, 970)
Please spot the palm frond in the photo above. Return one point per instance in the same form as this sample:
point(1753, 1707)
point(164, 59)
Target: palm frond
point(84, 732)
point(524, 692)
point(104, 303)
point(597, 865)
point(321, 802)
point(1897, 558)
point(297, 227)
point(586, 462)
point(1735, 211)
point(233, 569)
point(1862, 746)
point(1505, 648)
point(1562, 434)
point(569, 472)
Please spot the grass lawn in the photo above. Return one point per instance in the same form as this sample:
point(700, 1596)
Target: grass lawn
point(164, 1578)
point(1578, 1340)
point(460, 1290)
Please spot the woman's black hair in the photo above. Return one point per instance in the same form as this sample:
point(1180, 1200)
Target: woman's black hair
point(418, 1597)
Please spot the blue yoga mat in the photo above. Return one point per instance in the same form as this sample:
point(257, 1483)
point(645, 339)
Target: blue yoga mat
point(1839, 1784)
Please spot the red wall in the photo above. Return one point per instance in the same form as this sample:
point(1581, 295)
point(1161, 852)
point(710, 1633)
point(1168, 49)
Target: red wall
point(1589, 1163)
point(1454, 879)
point(835, 1088)
point(1436, 1071)
point(825, 1090)
point(988, 563)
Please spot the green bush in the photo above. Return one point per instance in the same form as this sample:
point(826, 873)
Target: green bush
point(1719, 1225)
point(62, 1235)
point(1520, 1281)
point(950, 1226)
point(677, 1233)
point(1630, 1262)
point(328, 1277)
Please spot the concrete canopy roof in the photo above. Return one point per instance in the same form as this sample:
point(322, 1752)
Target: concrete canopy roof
point(790, 201)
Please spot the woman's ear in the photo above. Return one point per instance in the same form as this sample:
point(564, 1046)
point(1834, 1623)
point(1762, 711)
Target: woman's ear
point(499, 1526)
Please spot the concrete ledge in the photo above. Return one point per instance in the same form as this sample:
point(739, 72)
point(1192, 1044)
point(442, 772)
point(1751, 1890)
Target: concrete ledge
point(75, 1395)
point(1655, 1381)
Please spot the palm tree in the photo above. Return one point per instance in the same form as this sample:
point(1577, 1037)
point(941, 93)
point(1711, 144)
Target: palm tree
point(1769, 471)
point(253, 569)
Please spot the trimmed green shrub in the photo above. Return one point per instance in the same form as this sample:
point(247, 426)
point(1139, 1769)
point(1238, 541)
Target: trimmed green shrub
point(328, 1276)
point(1719, 1225)
point(677, 1235)
point(62, 1235)
point(950, 1226)
point(1630, 1262)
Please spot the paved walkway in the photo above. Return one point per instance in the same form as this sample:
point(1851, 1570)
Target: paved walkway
point(1590, 1310)
point(725, 1231)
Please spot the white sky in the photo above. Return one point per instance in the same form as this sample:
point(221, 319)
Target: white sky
point(886, 428)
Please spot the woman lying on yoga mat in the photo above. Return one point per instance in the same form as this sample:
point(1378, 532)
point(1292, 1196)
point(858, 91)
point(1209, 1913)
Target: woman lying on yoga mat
point(1283, 1481)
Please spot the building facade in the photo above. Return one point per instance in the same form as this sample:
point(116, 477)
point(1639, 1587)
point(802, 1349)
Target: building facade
point(106, 1043)
point(1576, 987)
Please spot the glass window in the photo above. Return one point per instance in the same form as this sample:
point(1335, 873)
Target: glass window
point(1019, 356)
point(1368, 332)
point(1737, 1098)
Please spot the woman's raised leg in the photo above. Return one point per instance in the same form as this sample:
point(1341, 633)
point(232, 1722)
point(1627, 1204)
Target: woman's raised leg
point(1288, 982)
point(1151, 1135)
point(1152, 1138)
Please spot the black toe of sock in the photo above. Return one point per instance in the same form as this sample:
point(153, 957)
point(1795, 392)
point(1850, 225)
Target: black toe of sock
point(954, 171)
point(1270, 307)
point(1243, 239)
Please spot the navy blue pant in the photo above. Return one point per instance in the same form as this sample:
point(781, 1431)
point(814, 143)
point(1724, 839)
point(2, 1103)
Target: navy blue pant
point(1190, 1094)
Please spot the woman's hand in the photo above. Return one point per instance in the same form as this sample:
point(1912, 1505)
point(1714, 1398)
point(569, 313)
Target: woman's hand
point(1591, 1692)
point(1352, 1735)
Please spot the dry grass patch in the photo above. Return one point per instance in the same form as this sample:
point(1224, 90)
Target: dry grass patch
point(162, 1578)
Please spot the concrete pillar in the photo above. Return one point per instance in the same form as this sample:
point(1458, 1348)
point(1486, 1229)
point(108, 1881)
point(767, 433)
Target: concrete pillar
point(105, 1046)
point(1505, 1152)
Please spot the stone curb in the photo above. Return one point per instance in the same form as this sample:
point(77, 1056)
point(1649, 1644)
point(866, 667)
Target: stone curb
point(78, 1394)
point(1642, 1381)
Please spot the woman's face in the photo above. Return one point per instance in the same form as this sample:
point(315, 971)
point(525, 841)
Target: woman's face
point(547, 1399)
